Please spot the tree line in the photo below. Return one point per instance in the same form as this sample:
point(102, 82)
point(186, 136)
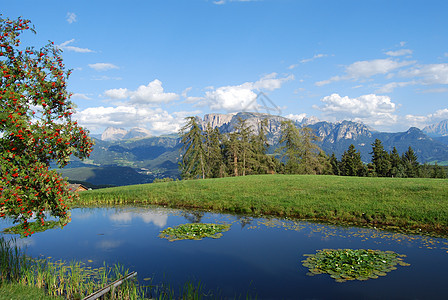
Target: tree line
point(208, 153)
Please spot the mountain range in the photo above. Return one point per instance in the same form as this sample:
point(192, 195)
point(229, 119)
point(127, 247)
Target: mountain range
point(122, 157)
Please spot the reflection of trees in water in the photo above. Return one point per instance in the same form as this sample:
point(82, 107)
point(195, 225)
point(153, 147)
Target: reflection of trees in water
point(193, 216)
point(244, 220)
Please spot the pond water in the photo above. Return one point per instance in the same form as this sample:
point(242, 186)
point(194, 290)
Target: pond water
point(256, 257)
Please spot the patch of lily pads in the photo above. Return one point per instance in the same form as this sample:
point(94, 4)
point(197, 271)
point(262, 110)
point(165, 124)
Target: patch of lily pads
point(352, 264)
point(194, 231)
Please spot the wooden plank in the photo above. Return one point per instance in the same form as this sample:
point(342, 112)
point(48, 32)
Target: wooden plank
point(112, 286)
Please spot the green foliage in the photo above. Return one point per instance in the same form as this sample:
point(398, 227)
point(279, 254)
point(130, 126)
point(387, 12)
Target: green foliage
point(351, 164)
point(193, 162)
point(35, 128)
point(194, 231)
point(381, 159)
point(349, 264)
point(35, 226)
point(410, 164)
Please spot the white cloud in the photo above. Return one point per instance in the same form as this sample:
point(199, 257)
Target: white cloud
point(400, 52)
point(244, 96)
point(429, 74)
point(120, 93)
point(103, 66)
point(297, 118)
point(65, 46)
point(157, 121)
point(270, 82)
point(366, 69)
point(438, 90)
point(422, 121)
point(316, 56)
point(153, 93)
point(81, 96)
point(370, 68)
point(369, 109)
point(389, 88)
point(232, 98)
point(71, 17)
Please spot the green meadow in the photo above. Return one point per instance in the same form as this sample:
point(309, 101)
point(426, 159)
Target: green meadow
point(412, 205)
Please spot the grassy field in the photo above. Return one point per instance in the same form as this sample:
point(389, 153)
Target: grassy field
point(410, 204)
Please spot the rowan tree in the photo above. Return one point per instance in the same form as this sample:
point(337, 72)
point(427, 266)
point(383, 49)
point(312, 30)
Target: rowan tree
point(36, 128)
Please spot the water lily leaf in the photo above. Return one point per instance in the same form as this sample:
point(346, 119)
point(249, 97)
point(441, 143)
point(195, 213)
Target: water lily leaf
point(350, 264)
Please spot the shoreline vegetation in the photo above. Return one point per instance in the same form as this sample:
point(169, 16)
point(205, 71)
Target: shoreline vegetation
point(411, 205)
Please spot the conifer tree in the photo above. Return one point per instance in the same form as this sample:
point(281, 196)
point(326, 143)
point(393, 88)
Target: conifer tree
point(410, 164)
point(193, 159)
point(396, 165)
point(334, 164)
point(380, 159)
point(351, 164)
point(291, 148)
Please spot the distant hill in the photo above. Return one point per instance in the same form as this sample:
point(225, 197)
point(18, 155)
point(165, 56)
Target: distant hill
point(144, 159)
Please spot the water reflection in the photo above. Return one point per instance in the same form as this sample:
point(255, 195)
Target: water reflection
point(158, 218)
point(262, 256)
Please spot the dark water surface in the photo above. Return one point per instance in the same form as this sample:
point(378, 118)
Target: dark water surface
point(258, 257)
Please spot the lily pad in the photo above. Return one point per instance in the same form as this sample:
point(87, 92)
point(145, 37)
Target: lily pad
point(350, 264)
point(194, 231)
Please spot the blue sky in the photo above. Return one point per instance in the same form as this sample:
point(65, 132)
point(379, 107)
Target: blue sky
point(151, 63)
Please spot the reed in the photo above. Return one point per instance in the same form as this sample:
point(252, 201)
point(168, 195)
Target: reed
point(76, 280)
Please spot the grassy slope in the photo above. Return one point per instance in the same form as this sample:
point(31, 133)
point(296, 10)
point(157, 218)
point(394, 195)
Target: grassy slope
point(407, 203)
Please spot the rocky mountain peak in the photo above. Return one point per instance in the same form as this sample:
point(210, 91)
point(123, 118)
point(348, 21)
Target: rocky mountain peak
point(113, 134)
point(116, 134)
point(439, 129)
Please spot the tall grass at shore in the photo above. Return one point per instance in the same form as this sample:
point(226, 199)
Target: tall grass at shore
point(23, 277)
point(411, 204)
point(72, 280)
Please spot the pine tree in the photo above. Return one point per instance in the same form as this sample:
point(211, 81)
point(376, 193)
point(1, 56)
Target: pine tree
point(193, 161)
point(410, 164)
point(396, 165)
point(380, 159)
point(262, 163)
point(292, 146)
point(334, 164)
point(351, 164)
point(244, 133)
point(214, 158)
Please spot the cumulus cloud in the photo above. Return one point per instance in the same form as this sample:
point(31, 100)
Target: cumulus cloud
point(367, 68)
point(66, 47)
point(153, 93)
point(422, 121)
point(244, 96)
point(103, 66)
point(369, 109)
point(400, 52)
point(297, 118)
point(157, 121)
point(71, 17)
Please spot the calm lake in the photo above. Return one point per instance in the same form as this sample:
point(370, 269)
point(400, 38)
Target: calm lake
point(256, 257)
